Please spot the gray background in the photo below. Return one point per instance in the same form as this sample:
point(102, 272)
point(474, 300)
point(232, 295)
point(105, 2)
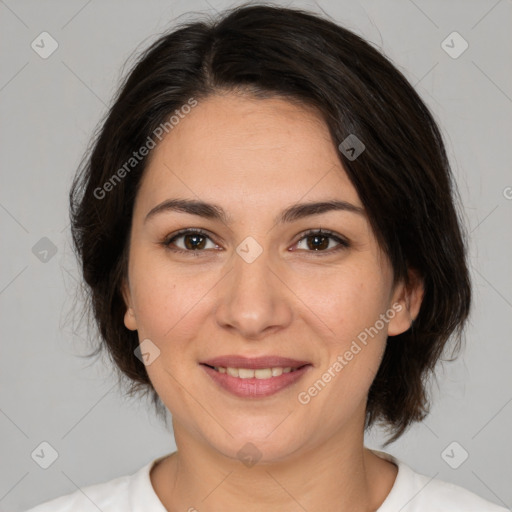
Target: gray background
point(49, 109)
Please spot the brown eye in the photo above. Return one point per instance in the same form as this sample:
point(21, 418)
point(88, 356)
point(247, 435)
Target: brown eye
point(194, 241)
point(321, 241)
point(189, 240)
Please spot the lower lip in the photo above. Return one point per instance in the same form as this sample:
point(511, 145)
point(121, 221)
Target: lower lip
point(255, 388)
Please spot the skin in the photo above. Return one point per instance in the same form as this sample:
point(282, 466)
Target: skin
point(254, 158)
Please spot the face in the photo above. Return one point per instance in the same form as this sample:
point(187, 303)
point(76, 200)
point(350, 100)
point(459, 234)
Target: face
point(254, 283)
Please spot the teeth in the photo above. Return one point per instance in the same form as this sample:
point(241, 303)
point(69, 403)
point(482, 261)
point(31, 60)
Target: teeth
point(245, 373)
point(260, 373)
point(232, 371)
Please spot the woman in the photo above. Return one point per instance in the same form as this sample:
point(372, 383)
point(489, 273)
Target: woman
point(266, 224)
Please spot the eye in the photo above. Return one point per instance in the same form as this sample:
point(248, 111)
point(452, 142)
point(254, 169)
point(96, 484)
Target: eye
point(194, 241)
point(318, 240)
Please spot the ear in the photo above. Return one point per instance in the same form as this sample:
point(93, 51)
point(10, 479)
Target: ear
point(130, 321)
point(406, 302)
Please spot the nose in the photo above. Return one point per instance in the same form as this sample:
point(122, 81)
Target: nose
point(254, 299)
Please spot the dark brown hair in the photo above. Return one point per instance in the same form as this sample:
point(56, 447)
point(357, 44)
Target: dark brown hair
point(403, 177)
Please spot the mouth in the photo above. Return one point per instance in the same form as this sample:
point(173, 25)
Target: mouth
point(259, 373)
point(255, 377)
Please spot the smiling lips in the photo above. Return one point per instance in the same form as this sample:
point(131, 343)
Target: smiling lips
point(254, 377)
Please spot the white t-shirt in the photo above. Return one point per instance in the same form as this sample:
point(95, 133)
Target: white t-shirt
point(411, 492)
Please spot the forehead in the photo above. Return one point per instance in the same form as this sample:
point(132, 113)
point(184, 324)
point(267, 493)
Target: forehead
point(263, 150)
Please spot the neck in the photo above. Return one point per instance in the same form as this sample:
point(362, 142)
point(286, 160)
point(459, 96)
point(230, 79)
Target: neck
point(339, 475)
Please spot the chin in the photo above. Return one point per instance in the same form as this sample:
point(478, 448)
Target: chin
point(264, 447)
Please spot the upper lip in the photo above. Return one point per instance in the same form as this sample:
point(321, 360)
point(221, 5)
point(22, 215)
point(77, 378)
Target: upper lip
point(234, 361)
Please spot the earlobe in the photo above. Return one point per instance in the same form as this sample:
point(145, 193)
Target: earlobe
point(407, 302)
point(130, 321)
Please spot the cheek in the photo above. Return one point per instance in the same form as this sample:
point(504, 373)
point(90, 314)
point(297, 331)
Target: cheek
point(346, 300)
point(351, 304)
point(168, 305)
point(171, 303)
point(164, 294)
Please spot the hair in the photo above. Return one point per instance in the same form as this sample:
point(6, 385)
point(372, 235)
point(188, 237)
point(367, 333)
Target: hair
point(403, 177)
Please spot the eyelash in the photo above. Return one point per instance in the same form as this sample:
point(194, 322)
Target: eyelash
point(343, 243)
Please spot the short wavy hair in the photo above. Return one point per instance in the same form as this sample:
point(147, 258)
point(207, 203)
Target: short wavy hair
point(403, 178)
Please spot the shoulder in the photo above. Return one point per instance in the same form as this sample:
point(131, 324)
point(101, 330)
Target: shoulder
point(106, 496)
point(433, 494)
point(123, 493)
point(415, 492)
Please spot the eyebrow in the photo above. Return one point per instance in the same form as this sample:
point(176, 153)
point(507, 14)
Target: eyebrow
point(290, 214)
